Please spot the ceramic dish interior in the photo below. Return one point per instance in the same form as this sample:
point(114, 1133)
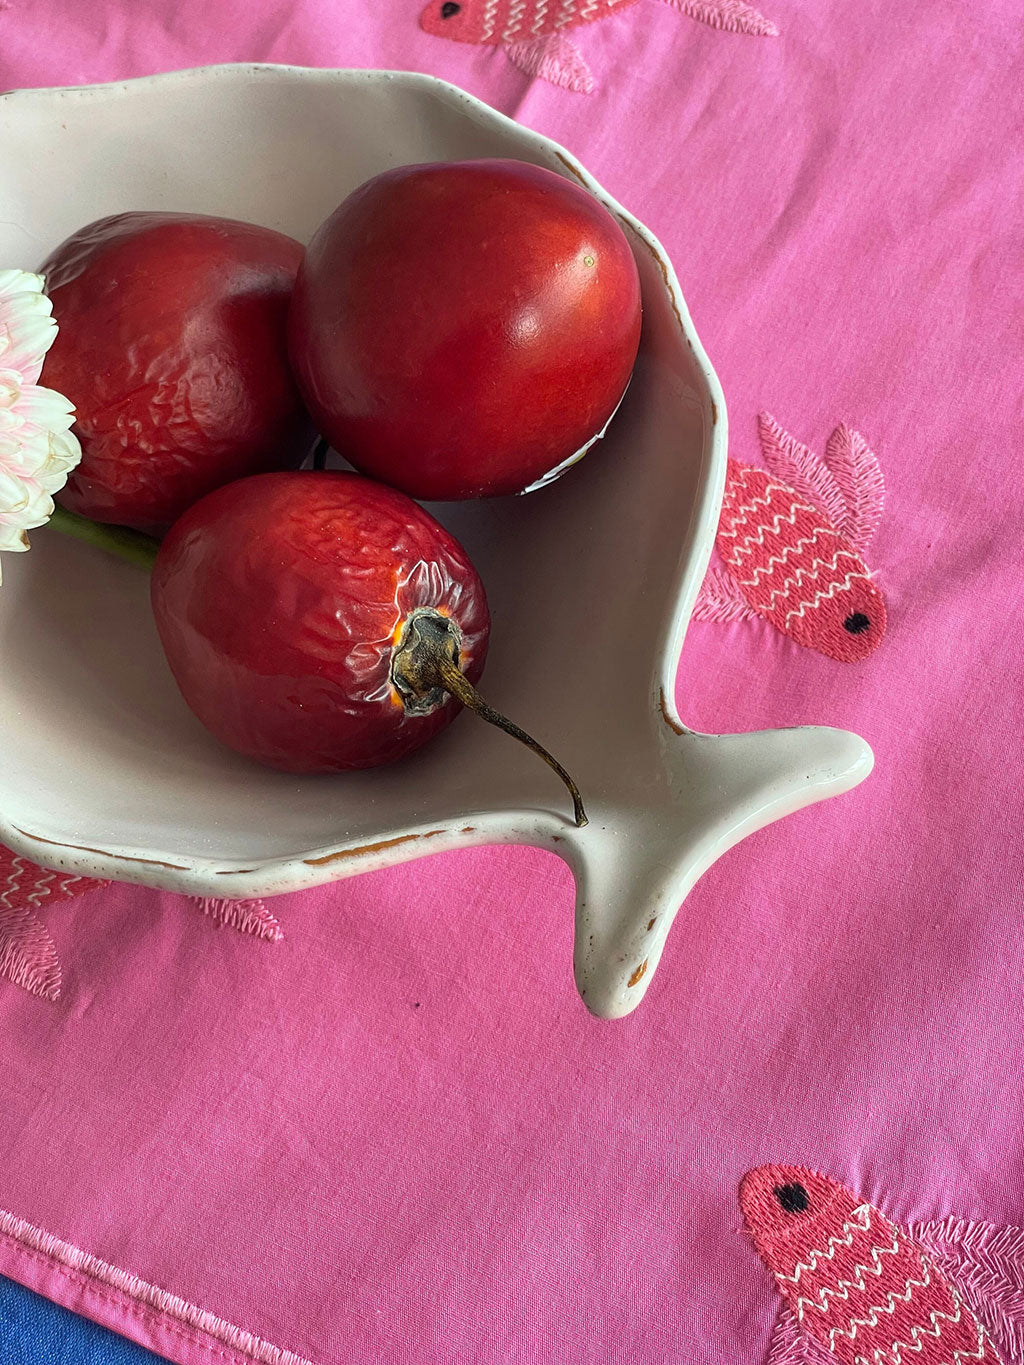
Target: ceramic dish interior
point(104, 771)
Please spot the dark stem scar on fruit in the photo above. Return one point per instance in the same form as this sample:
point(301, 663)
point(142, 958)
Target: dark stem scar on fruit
point(663, 706)
point(103, 852)
point(364, 850)
point(637, 974)
point(425, 665)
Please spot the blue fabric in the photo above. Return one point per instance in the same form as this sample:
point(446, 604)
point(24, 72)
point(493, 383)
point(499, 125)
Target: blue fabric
point(34, 1331)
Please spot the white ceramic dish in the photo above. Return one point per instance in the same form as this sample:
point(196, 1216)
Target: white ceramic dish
point(104, 771)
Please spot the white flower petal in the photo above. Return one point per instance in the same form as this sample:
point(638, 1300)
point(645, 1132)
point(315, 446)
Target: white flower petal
point(39, 511)
point(24, 348)
point(14, 493)
point(29, 458)
point(27, 330)
point(12, 538)
point(30, 506)
point(45, 408)
point(37, 447)
point(20, 282)
point(65, 452)
point(11, 384)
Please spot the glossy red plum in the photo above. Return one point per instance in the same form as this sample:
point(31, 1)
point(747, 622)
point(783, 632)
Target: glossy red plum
point(464, 330)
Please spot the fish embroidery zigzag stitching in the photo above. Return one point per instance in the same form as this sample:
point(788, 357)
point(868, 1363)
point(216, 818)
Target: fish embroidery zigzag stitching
point(911, 1312)
point(12, 881)
point(515, 15)
point(777, 521)
point(859, 1218)
point(793, 580)
point(40, 889)
point(917, 1334)
point(857, 613)
point(852, 577)
point(757, 500)
point(48, 884)
point(892, 1298)
point(788, 550)
point(792, 585)
point(842, 1291)
point(490, 17)
point(28, 955)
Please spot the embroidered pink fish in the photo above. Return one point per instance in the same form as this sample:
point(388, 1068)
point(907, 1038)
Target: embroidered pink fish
point(856, 1284)
point(28, 956)
point(247, 916)
point(791, 540)
point(534, 31)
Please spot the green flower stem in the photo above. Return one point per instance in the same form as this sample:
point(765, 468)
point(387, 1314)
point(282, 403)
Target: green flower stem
point(117, 540)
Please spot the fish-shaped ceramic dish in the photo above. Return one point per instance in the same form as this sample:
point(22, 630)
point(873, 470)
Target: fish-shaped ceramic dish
point(105, 772)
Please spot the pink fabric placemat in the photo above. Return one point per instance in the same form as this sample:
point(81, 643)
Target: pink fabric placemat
point(393, 1133)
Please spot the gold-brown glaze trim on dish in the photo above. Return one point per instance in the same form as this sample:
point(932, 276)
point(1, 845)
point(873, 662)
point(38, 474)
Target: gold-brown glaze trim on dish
point(573, 171)
point(665, 270)
point(668, 719)
point(364, 850)
point(102, 852)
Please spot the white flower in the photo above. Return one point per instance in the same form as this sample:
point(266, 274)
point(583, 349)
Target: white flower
point(37, 448)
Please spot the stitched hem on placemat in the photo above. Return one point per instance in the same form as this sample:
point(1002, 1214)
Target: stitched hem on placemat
point(162, 1322)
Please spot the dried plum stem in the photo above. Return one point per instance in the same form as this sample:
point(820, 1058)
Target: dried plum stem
point(137, 548)
point(425, 662)
point(456, 682)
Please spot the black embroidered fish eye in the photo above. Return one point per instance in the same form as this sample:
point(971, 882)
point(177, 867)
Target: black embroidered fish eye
point(449, 10)
point(857, 623)
point(793, 1198)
